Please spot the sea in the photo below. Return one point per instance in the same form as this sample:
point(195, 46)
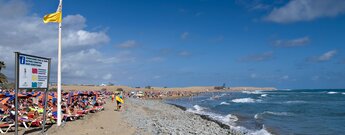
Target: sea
point(278, 112)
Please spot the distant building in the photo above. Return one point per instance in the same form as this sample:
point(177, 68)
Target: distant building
point(103, 84)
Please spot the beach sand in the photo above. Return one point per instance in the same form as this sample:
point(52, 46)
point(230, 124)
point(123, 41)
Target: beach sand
point(141, 117)
point(154, 117)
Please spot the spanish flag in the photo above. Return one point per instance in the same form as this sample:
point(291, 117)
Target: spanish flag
point(53, 17)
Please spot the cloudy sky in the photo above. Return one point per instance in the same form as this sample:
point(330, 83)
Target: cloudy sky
point(279, 43)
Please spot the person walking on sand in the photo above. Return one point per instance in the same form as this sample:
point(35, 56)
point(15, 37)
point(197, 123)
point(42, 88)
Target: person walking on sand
point(112, 97)
point(119, 101)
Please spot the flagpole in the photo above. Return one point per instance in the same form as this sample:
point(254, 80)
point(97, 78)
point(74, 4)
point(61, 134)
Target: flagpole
point(59, 74)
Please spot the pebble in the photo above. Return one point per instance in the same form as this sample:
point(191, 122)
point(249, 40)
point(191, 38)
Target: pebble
point(156, 117)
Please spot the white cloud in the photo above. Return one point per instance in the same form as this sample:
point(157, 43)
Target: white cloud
point(13, 8)
point(324, 57)
point(184, 35)
point(128, 44)
point(85, 38)
point(306, 10)
point(80, 60)
point(292, 43)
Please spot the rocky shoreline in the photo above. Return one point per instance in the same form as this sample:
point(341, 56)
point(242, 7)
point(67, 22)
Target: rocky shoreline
point(156, 117)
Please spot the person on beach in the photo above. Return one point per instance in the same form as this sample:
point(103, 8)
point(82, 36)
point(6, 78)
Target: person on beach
point(119, 101)
point(112, 97)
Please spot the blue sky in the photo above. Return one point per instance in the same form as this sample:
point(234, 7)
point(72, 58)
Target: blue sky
point(284, 44)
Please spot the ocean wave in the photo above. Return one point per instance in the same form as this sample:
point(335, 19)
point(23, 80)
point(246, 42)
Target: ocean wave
point(295, 102)
point(332, 92)
point(286, 89)
point(224, 119)
point(229, 120)
point(253, 92)
point(243, 100)
point(216, 97)
point(278, 113)
point(343, 93)
point(259, 115)
point(243, 130)
point(263, 95)
point(198, 108)
point(262, 131)
point(224, 103)
point(224, 94)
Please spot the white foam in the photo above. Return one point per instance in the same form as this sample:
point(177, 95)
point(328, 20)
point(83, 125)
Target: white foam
point(243, 100)
point(332, 92)
point(229, 120)
point(243, 130)
point(277, 113)
point(343, 93)
point(263, 95)
point(253, 92)
point(198, 108)
point(262, 131)
point(224, 103)
point(257, 116)
point(295, 102)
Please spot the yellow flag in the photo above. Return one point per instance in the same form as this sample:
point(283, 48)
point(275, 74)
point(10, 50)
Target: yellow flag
point(53, 17)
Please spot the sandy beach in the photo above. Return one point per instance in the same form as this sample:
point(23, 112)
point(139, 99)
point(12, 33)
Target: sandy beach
point(106, 122)
point(140, 117)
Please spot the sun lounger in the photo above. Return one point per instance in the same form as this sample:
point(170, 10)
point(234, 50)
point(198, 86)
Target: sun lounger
point(7, 126)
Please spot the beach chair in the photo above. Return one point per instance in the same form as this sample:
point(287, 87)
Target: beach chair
point(7, 126)
point(99, 108)
point(70, 117)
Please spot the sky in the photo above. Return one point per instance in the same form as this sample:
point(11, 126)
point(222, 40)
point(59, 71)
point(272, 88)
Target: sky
point(264, 43)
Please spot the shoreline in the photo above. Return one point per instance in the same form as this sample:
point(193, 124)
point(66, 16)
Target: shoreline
point(158, 117)
point(205, 117)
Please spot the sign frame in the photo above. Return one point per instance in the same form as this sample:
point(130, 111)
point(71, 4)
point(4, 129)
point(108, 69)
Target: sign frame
point(17, 70)
point(17, 88)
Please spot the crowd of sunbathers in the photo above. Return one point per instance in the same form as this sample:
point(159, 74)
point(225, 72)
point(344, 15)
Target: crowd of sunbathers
point(74, 105)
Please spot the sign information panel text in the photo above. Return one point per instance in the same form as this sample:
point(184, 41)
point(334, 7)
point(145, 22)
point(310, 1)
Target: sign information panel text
point(33, 72)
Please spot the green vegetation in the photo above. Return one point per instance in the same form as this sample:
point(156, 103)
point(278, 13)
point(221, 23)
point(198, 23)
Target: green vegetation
point(3, 78)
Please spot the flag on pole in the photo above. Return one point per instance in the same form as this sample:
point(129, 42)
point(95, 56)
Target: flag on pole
point(57, 18)
point(53, 17)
